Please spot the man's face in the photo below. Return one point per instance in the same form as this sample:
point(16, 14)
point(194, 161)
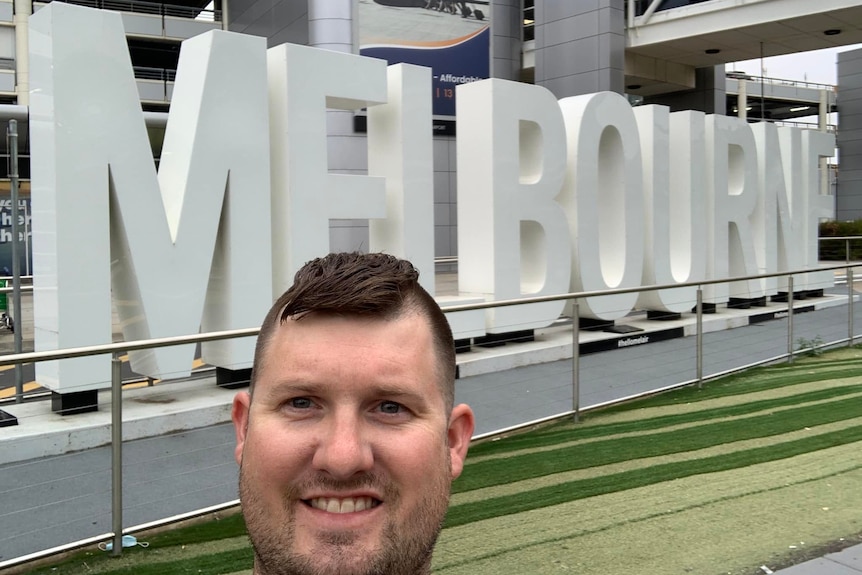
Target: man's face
point(347, 452)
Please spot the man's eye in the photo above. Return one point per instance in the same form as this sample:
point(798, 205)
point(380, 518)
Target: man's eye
point(300, 403)
point(391, 407)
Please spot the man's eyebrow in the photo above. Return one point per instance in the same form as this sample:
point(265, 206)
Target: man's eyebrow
point(293, 387)
point(397, 391)
point(286, 386)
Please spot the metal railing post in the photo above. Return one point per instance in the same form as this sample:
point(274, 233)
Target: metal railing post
point(790, 319)
point(117, 453)
point(699, 338)
point(576, 360)
point(850, 293)
point(15, 312)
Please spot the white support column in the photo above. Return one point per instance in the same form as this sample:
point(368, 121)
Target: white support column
point(823, 126)
point(330, 24)
point(742, 99)
point(22, 51)
point(334, 25)
point(823, 111)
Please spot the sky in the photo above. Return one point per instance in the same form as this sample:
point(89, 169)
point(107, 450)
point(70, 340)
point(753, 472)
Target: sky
point(819, 66)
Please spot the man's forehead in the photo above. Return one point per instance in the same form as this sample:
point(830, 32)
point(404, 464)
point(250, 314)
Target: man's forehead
point(287, 347)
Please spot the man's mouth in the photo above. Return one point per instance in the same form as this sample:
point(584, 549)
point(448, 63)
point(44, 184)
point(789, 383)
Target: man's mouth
point(342, 505)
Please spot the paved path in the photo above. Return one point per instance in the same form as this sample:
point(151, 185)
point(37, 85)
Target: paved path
point(847, 562)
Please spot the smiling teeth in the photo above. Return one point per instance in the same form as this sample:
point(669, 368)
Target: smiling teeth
point(347, 505)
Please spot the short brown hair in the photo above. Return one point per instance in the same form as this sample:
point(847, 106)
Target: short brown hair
point(370, 285)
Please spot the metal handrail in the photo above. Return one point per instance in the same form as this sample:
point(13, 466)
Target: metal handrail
point(655, 287)
point(124, 346)
point(160, 74)
point(735, 75)
point(846, 240)
point(153, 8)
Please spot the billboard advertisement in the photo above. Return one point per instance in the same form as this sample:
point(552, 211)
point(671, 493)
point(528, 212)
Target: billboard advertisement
point(451, 37)
point(24, 235)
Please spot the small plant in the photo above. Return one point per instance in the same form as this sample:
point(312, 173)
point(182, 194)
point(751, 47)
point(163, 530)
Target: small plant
point(810, 347)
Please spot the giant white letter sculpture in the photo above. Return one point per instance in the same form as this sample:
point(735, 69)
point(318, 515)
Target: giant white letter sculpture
point(674, 243)
point(304, 82)
point(400, 150)
point(603, 196)
point(511, 163)
point(174, 242)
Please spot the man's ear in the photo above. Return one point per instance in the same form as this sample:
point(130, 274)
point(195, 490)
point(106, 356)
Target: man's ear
point(239, 416)
point(461, 425)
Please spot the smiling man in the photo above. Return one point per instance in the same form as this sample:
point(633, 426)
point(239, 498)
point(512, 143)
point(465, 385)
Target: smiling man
point(347, 439)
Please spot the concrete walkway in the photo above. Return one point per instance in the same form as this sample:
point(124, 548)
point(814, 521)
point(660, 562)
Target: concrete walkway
point(846, 562)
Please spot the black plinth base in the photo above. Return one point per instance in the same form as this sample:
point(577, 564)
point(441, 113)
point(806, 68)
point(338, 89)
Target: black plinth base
point(462, 345)
point(590, 324)
point(781, 297)
point(759, 302)
point(662, 315)
point(7, 419)
point(622, 328)
point(498, 339)
point(75, 402)
point(739, 303)
point(706, 307)
point(814, 293)
point(233, 378)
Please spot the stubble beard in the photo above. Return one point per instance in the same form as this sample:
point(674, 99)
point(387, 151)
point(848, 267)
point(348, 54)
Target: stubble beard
point(403, 549)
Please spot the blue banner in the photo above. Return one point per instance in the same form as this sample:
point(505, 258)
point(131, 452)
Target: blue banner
point(452, 38)
point(465, 60)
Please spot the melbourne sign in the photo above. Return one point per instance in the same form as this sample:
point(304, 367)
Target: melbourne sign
point(584, 193)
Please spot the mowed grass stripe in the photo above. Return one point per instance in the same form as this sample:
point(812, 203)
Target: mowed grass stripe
point(661, 530)
point(526, 465)
point(605, 512)
point(636, 412)
point(757, 379)
point(224, 535)
point(644, 463)
point(570, 425)
point(566, 433)
point(569, 491)
point(219, 563)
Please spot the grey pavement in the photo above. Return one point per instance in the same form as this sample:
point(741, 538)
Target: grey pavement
point(51, 501)
point(846, 562)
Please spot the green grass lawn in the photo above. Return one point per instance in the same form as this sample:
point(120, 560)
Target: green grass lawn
point(760, 468)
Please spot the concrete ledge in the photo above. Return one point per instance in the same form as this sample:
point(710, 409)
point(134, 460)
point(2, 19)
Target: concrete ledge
point(147, 412)
point(555, 343)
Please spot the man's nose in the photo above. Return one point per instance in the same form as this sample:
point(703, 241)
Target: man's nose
point(343, 450)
